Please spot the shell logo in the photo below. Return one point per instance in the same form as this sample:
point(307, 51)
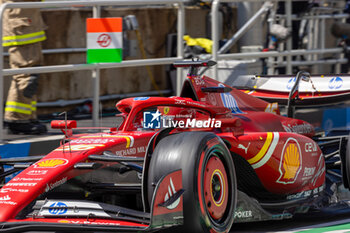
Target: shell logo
point(50, 163)
point(291, 162)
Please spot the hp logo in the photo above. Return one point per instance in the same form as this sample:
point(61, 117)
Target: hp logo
point(335, 83)
point(58, 208)
point(291, 83)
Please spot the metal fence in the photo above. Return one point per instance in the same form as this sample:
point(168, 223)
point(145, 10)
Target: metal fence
point(94, 68)
point(318, 19)
point(217, 54)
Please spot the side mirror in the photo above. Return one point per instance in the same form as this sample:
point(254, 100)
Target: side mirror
point(61, 124)
point(65, 126)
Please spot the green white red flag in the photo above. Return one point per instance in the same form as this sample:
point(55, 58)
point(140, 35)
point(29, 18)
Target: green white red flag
point(104, 40)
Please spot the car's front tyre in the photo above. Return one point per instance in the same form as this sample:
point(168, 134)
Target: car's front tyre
point(209, 179)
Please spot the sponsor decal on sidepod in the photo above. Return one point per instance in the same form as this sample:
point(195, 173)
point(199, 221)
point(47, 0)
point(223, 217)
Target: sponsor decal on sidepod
point(291, 162)
point(58, 208)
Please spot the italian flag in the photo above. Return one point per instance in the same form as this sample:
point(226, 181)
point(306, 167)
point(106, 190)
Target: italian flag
point(104, 40)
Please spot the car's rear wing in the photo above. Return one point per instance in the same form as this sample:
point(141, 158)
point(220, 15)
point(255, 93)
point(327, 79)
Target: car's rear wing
point(317, 90)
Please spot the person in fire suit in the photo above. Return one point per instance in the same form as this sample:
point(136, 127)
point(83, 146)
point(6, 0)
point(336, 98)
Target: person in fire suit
point(23, 31)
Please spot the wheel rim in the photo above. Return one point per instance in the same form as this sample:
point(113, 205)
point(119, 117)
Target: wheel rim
point(216, 188)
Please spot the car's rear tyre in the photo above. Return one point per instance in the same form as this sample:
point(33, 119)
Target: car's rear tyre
point(209, 179)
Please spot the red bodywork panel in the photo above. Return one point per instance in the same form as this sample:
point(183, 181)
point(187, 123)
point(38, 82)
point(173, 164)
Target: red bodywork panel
point(279, 149)
point(58, 167)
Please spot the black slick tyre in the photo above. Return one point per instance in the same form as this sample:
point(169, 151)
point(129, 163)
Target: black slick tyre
point(208, 177)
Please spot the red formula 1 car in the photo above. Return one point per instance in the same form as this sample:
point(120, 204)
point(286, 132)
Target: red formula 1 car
point(197, 163)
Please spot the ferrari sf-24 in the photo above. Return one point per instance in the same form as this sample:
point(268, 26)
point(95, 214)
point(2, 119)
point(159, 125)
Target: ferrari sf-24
point(200, 162)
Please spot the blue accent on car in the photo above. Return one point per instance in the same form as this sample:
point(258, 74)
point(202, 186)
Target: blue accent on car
point(58, 208)
point(141, 98)
point(335, 83)
point(291, 83)
point(229, 102)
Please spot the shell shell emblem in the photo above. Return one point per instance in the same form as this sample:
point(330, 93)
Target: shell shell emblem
point(51, 163)
point(291, 162)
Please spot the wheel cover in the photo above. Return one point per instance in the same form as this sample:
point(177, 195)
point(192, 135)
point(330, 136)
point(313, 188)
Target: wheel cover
point(216, 189)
